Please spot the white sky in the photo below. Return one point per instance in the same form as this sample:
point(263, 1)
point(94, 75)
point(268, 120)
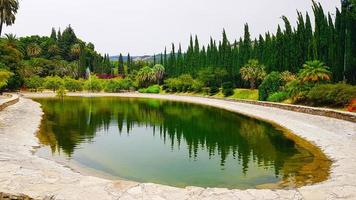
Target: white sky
point(147, 26)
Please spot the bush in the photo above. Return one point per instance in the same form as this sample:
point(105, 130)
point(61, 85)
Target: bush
point(73, 85)
point(154, 89)
point(118, 84)
point(271, 84)
point(278, 97)
point(227, 89)
point(331, 95)
point(214, 90)
point(197, 86)
point(183, 83)
point(53, 82)
point(34, 83)
point(94, 84)
point(61, 92)
point(298, 91)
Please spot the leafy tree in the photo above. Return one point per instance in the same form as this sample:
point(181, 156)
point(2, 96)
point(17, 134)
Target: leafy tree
point(8, 10)
point(146, 76)
point(73, 85)
point(159, 72)
point(253, 72)
point(33, 50)
point(270, 85)
point(314, 71)
point(53, 83)
point(34, 83)
point(4, 78)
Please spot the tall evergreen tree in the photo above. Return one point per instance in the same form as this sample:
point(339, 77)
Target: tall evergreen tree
point(121, 70)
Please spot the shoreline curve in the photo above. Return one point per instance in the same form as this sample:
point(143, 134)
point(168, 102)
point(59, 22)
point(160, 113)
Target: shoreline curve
point(336, 138)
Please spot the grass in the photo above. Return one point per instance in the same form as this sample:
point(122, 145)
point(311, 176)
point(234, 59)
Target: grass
point(239, 93)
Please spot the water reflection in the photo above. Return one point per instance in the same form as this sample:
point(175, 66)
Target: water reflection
point(68, 124)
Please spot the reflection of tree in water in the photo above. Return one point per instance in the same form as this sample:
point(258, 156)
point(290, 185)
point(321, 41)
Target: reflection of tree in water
point(222, 133)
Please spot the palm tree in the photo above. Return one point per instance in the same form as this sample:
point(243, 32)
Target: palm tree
point(33, 50)
point(75, 51)
point(8, 10)
point(146, 76)
point(314, 71)
point(53, 50)
point(11, 40)
point(159, 71)
point(252, 72)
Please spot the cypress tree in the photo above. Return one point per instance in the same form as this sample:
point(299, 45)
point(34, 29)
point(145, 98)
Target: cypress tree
point(53, 35)
point(121, 70)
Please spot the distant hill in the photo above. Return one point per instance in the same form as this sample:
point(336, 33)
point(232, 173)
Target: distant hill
point(148, 58)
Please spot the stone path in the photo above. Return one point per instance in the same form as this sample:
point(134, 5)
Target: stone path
point(21, 172)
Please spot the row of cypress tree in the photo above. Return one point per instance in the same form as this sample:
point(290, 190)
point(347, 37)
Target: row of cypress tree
point(332, 40)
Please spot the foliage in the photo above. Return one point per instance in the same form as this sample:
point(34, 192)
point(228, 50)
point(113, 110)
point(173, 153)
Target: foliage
point(34, 83)
point(73, 85)
point(298, 91)
point(118, 84)
point(253, 72)
point(213, 90)
point(278, 96)
point(154, 89)
point(183, 83)
point(146, 76)
point(331, 95)
point(4, 77)
point(314, 71)
point(271, 84)
point(197, 86)
point(330, 39)
point(61, 92)
point(94, 84)
point(227, 89)
point(53, 82)
point(8, 10)
point(159, 72)
point(212, 77)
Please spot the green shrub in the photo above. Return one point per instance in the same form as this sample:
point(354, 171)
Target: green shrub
point(118, 84)
point(154, 89)
point(278, 97)
point(34, 83)
point(197, 86)
point(214, 90)
point(171, 84)
point(227, 89)
point(53, 82)
point(271, 84)
point(73, 85)
point(183, 83)
point(61, 92)
point(94, 84)
point(298, 91)
point(331, 95)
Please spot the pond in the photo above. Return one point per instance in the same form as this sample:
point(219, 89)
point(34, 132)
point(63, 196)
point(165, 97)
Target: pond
point(177, 144)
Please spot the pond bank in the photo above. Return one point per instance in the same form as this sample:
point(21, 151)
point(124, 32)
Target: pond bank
point(23, 172)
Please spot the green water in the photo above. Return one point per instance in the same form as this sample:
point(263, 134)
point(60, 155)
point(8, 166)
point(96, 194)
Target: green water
point(165, 142)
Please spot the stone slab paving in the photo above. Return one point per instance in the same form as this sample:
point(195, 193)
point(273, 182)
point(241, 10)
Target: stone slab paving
point(22, 172)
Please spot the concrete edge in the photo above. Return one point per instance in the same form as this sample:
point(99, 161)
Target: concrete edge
point(8, 102)
point(326, 112)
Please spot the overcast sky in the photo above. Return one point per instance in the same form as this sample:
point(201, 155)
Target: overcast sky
point(147, 26)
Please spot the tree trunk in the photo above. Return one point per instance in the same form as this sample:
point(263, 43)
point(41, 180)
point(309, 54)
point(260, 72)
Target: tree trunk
point(1, 24)
point(252, 84)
